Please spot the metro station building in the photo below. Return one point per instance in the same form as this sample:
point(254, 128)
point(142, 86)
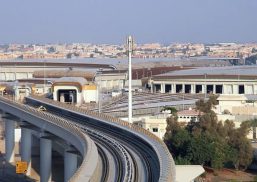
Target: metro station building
point(75, 90)
point(216, 80)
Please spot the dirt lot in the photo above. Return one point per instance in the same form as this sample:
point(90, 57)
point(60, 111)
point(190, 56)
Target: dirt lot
point(228, 175)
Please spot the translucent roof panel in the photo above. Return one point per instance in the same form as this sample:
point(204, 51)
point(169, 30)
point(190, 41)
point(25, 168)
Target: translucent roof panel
point(226, 70)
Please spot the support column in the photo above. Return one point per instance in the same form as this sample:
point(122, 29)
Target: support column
point(26, 147)
point(162, 88)
point(235, 89)
point(152, 90)
point(192, 88)
point(9, 140)
point(173, 88)
point(183, 88)
point(70, 164)
point(214, 89)
point(45, 159)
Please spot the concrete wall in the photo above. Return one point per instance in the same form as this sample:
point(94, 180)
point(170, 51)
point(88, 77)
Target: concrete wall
point(151, 123)
point(90, 96)
point(228, 105)
point(247, 110)
point(110, 82)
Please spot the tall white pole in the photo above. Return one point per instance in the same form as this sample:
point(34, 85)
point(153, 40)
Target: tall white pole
point(44, 78)
point(99, 93)
point(130, 47)
point(205, 89)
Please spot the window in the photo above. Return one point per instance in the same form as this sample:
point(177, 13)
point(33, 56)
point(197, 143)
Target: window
point(155, 129)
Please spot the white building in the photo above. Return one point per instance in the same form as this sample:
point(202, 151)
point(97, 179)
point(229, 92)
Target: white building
point(155, 124)
point(111, 80)
point(186, 116)
point(74, 90)
point(216, 80)
point(237, 108)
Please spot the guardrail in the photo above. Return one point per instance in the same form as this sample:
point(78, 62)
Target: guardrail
point(167, 164)
point(87, 148)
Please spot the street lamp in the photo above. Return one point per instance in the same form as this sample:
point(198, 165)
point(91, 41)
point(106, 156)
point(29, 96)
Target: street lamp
point(99, 90)
point(205, 89)
point(44, 79)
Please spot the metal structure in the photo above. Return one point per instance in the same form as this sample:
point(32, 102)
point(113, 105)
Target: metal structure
point(125, 152)
point(130, 50)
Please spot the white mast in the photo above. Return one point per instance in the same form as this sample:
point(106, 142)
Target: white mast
point(130, 49)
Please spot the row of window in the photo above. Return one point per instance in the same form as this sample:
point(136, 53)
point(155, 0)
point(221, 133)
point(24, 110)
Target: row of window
point(198, 88)
point(187, 117)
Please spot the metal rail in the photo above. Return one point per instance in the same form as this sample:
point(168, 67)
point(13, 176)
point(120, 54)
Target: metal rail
point(165, 160)
point(120, 153)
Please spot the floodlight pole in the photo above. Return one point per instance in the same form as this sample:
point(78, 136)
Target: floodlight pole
point(130, 49)
point(44, 78)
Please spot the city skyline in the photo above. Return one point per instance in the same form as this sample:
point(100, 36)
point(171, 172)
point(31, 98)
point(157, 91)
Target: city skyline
point(110, 22)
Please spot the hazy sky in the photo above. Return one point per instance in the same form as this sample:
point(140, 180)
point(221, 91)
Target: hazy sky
point(109, 21)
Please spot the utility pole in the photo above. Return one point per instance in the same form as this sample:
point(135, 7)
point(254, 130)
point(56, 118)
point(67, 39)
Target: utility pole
point(44, 78)
point(205, 89)
point(99, 91)
point(130, 49)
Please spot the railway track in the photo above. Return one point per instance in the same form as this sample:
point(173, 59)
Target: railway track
point(123, 160)
point(147, 98)
point(131, 147)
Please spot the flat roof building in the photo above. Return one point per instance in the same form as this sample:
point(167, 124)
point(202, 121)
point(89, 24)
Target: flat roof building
point(209, 80)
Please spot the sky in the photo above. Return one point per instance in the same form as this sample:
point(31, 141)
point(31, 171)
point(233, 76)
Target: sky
point(110, 21)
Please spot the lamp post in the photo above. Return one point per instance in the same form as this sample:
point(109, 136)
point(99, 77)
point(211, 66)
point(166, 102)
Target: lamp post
point(44, 79)
point(130, 49)
point(99, 91)
point(205, 89)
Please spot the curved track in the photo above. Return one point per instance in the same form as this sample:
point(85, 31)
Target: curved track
point(137, 160)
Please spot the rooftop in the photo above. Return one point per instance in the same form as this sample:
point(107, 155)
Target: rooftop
point(217, 71)
point(190, 112)
point(188, 172)
point(80, 80)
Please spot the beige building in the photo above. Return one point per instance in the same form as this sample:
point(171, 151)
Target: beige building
point(237, 108)
point(239, 104)
point(155, 124)
point(186, 116)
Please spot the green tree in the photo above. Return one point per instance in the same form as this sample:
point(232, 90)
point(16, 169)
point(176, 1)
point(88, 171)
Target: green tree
point(209, 142)
point(206, 106)
point(237, 139)
point(253, 124)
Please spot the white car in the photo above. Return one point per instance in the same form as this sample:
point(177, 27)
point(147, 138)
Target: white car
point(41, 108)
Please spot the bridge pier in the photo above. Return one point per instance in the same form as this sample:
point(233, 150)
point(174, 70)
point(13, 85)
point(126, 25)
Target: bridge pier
point(26, 140)
point(45, 159)
point(9, 140)
point(70, 164)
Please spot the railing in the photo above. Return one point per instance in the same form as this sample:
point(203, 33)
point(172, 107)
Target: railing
point(167, 164)
point(87, 147)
